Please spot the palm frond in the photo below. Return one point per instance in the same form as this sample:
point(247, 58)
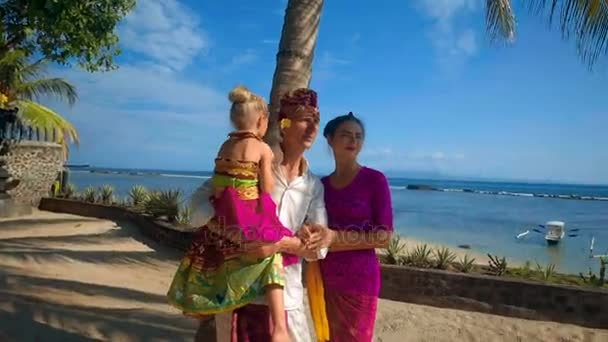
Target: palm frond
point(11, 63)
point(41, 117)
point(56, 87)
point(500, 20)
point(584, 20)
point(36, 69)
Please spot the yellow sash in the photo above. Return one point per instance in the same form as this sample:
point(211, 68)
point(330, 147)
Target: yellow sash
point(316, 298)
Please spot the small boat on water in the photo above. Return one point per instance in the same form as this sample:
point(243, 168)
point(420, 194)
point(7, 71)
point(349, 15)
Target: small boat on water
point(555, 232)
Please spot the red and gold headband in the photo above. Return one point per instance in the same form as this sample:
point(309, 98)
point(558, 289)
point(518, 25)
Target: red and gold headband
point(296, 100)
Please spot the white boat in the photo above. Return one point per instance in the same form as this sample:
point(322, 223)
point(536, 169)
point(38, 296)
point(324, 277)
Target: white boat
point(555, 232)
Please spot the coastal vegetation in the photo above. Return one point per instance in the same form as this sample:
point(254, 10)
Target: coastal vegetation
point(23, 86)
point(33, 35)
point(64, 32)
point(161, 204)
point(442, 258)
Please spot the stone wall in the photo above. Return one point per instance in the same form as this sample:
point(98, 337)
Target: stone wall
point(508, 297)
point(497, 295)
point(36, 165)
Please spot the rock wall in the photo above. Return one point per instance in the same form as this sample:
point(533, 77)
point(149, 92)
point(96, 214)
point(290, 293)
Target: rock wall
point(35, 165)
point(584, 306)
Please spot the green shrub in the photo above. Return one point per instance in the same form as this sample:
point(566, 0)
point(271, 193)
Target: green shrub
point(107, 194)
point(139, 196)
point(497, 266)
point(394, 250)
point(185, 216)
point(70, 191)
point(164, 203)
point(421, 256)
point(594, 279)
point(465, 264)
point(444, 258)
point(545, 273)
point(90, 194)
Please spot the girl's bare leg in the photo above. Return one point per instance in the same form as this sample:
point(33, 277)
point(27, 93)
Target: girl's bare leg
point(274, 294)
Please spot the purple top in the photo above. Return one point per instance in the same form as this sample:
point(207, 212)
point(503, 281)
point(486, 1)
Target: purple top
point(364, 204)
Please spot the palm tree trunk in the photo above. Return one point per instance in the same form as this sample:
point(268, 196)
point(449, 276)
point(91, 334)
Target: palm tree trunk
point(296, 53)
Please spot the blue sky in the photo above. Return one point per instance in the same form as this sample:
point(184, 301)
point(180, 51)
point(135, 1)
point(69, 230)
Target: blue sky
point(436, 97)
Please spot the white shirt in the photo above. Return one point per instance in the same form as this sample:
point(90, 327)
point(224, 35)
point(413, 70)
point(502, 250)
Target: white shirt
point(297, 202)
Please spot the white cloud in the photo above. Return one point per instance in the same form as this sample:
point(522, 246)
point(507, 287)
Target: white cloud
point(444, 10)
point(164, 31)
point(246, 57)
point(397, 154)
point(454, 44)
point(329, 60)
point(249, 56)
point(466, 43)
point(139, 85)
point(149, 110)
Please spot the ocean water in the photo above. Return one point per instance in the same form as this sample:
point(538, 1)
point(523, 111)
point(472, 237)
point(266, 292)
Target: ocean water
point(485, 215)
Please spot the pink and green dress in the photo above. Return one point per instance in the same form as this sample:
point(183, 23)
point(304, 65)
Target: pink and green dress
point(351, 279)
point(213, 277)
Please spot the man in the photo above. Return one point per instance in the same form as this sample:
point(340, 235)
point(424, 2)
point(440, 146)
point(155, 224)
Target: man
point(300, 199)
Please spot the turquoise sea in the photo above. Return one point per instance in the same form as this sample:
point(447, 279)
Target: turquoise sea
point(485, 215)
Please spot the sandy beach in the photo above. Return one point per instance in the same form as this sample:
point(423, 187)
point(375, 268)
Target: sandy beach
point(70, 278)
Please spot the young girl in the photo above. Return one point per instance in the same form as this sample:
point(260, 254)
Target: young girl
point(213, 277)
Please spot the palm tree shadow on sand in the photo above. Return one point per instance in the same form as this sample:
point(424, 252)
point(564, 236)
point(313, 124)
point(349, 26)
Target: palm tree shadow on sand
point(38, 306)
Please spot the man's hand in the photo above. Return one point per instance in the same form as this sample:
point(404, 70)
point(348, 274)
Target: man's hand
point(316, 236)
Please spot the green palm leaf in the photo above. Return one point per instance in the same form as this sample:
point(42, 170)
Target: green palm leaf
point(22, 83)
point(500, 20)
point(56, 87)
point(41, 117)
point(586, 21)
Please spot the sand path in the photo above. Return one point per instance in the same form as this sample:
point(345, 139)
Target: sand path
point(70, 278)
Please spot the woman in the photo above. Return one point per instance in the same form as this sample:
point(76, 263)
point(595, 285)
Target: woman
point(359, 210)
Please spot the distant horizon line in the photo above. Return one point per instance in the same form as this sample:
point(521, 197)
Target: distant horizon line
point(390, 174)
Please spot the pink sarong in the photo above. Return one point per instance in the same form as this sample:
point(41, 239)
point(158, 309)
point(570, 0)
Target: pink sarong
point(351, 317)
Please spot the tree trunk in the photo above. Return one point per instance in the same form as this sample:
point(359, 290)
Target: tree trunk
point(296, 53)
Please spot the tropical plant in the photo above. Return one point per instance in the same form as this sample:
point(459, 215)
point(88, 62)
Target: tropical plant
point(64, 31)
point(185, 215)
point(394, 250)
point(545, 272)
point(23, 84)
point(585, 20)
point(139, 196)
point(444, 258)
point(421, 256)
point(70, 191)
point(497, 266)
point(90, 194)
point(524, 271)
point(164, 203)
point(107, 194)
point(594, 279)
point(465, 264)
